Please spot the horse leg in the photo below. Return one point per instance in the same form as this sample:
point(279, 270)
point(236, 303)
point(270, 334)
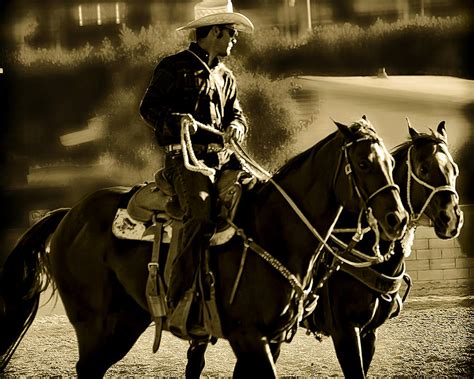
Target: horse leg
point(103, 341)
point(349, 351)
point(253, 353)
point(196, 360)
point(368, 348)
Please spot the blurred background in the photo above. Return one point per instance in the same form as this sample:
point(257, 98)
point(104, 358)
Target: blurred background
point(73, 73)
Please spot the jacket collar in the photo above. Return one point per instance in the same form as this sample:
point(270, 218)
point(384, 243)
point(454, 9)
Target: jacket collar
point(203, 54)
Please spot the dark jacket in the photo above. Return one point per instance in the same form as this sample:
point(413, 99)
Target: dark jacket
point(182, 84)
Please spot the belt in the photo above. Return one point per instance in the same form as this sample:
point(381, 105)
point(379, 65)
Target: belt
point(210, 148)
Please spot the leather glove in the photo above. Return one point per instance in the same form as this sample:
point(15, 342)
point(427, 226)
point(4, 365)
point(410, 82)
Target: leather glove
point(188, 119)
point(236, 132)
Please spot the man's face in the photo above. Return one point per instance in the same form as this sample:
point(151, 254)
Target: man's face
point(226, 39)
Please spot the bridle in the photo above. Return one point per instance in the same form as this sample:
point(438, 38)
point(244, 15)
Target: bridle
point(414, 217)
point(348, 170)
point(359, 231)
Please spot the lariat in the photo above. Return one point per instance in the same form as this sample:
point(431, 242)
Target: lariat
point(191, 162)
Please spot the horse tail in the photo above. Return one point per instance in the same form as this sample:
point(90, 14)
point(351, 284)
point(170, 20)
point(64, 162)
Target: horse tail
point(25, 274)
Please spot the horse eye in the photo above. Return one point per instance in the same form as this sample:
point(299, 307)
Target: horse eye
point(423, 170)
point(363, 165)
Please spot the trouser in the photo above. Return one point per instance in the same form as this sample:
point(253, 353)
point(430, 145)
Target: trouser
point(195, 193)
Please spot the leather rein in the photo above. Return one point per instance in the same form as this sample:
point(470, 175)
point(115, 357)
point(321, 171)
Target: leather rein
point(249, 243)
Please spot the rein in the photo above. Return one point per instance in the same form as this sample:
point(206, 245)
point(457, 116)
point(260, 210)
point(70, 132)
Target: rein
point(189, 157)
point(256, 170)
point(250, 243)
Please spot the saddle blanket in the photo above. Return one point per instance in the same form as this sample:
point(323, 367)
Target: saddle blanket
point(125, 227)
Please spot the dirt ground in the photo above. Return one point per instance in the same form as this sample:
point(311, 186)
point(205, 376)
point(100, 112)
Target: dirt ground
point(432, 337)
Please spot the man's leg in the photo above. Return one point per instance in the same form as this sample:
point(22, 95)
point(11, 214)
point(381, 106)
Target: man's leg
point(194, 192)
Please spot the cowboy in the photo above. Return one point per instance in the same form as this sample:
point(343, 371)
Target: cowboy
point(194, 85)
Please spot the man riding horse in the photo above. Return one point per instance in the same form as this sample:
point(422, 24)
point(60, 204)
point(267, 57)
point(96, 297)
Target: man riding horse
point(194, 85)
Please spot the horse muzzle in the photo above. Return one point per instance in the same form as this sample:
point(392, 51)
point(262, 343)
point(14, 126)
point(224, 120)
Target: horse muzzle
point(394, 225)
point(448, 222)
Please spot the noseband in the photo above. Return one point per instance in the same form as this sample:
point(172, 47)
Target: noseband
point(414, 217)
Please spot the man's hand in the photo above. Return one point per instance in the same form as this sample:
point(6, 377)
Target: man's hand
point(188, 120)
point(236, 132)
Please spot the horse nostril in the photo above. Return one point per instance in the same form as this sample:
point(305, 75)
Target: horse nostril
point(396, 222)
point(392, 220)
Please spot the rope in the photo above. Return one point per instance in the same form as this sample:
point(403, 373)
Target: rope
point(188, 154)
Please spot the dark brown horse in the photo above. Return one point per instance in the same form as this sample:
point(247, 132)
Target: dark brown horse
point(101, 279)
point(354, 302)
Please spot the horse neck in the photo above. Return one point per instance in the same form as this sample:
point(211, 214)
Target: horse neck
point(309, 184)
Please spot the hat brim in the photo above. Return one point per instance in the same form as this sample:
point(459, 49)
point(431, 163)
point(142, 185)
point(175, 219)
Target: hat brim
point(240, 22)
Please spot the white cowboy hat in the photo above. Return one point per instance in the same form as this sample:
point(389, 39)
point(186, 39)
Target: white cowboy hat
point(218, 12)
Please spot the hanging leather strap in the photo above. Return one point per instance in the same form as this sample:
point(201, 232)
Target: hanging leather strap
point(212, 319)
point(155, 292)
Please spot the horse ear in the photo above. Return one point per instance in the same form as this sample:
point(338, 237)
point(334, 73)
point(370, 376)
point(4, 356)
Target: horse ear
point(345, 130)
point(442, 131)
point(364, 117)
point(412, 131)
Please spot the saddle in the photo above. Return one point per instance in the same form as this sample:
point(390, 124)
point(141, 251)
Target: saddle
point(154, 214)
point(159, 199)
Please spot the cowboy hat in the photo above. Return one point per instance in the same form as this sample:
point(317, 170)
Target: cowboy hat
point(218, 12)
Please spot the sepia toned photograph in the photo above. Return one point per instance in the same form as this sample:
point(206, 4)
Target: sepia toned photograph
point(237, 188)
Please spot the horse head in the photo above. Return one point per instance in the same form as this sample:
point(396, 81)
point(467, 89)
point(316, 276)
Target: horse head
point(431, 188)
point(366, 182)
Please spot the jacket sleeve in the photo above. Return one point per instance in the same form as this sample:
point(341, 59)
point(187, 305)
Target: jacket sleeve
point(156, 105)
point(233, 114)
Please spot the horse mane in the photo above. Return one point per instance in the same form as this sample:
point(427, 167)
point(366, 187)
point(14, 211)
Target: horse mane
point(359, 128)
point(298, 159)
